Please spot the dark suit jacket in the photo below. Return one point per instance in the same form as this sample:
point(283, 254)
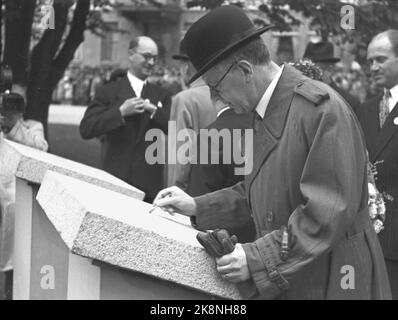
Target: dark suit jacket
point(352, 101)
point(123, 140)
point(309, 174)
point(382, 145)
point(205, 178)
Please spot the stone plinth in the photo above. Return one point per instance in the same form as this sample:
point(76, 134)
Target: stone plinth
point(37, 246)
point(31, 165)
point(108, 226)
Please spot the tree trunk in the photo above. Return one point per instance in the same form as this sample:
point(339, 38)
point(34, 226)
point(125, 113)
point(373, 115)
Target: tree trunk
point(49, 62)
point(18, 28)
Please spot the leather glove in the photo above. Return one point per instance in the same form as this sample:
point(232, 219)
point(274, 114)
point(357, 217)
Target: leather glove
point(218, 242)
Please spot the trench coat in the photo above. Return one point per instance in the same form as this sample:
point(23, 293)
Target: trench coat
point(309, 175)
point(190, 109)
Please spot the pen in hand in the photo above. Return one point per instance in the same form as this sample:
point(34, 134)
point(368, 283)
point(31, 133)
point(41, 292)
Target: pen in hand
point(154, 207)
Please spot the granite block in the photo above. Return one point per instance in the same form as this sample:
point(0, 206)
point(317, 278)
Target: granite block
point(111, 227)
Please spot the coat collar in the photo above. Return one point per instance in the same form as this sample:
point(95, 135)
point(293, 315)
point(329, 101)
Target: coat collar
point(266, 138)
point(279, 105)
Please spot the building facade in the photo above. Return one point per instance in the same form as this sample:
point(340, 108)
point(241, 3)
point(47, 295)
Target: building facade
point(167, 24)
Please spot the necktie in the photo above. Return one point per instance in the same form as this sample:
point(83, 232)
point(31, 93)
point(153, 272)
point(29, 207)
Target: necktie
point(384, 109)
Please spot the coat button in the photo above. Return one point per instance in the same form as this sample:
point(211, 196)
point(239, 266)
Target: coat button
point(270, 217)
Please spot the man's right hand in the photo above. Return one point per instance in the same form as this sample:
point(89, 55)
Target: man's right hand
point(175, 200)
point(132, 106)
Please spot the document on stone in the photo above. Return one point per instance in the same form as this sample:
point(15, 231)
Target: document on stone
point(179, 218)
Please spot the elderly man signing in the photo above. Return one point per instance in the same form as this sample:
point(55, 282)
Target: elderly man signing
point(307, 191)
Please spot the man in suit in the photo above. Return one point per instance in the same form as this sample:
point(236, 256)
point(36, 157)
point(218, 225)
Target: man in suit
point(379, 120)
point(308, 188)
point(120, 115)
point(191, 109)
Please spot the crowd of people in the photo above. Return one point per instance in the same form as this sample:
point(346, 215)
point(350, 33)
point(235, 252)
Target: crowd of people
point(308, 205)
point(79, 83)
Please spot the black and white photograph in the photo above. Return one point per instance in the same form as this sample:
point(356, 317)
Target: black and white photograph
point(198, 155)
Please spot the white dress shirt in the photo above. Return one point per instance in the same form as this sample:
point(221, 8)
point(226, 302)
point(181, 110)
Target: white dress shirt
point(392, 101)
point(263, 104)
point(136, 83)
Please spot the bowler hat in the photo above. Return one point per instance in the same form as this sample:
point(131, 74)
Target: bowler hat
point(182, 55)
point(320, 52)
point(216, 35)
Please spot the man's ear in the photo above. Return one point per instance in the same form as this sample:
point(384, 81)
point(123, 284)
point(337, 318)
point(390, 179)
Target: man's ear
point(247, 68)
point(130, 53)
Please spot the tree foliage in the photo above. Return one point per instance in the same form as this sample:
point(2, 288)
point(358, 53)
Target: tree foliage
point(39, 57)
point(371, 16)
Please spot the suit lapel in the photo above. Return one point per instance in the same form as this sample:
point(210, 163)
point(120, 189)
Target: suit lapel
point(370, 124)
point(274, 121)
point(385, 134)
point(125, 91)
point(149, 92)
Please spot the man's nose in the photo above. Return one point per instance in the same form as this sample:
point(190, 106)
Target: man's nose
point(151, 61)
point(374, 66)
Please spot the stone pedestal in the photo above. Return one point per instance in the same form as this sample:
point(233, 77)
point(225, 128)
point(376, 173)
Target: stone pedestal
point(138, 255)
point(35, 243)
point(81, 233)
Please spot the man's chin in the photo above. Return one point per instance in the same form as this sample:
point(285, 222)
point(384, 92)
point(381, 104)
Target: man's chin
point(147, 72)
point(380, 81)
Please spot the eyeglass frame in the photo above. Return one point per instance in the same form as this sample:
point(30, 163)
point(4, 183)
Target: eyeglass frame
point(214, 87)
point(148, 56)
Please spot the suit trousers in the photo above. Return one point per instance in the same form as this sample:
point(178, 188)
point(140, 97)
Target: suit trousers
point(392, 270)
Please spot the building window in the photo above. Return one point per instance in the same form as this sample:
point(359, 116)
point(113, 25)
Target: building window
point(108, 42)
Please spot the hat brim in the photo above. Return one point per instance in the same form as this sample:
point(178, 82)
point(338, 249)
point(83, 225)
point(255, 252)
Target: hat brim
point(227, 50)
point(180, 57)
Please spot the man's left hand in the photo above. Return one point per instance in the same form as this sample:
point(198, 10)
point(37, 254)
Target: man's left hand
point(149, 107)
point(233, 266)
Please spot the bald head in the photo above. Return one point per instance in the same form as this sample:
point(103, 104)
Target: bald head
point(143, 54)
point(141, 41)
point(392, 37)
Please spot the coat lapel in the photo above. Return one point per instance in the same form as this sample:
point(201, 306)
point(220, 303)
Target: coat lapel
point(271, 128)
point(385, 134)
